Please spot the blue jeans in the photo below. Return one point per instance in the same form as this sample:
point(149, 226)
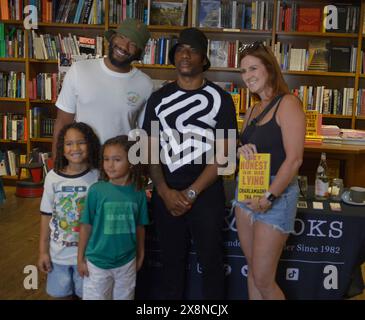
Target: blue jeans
point(282, 213)
point(64, 281)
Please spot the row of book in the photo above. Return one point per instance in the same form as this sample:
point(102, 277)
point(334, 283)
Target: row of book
point(325, 100)
point(320, 56)
point(360, 104)
point(122, 9)
point(254, 15)
point(295, 17)
point(44, 86)
point(49, 46)
point(41, 125)
point(12, 84)
point(11, 9)
point(11, 159)
point(13, 127)
point(70, 11)
point(220, 53)
point(9, 162)
point(12, 43)
point(93, 11)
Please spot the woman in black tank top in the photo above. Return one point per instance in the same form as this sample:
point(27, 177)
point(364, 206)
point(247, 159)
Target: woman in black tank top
point(275, 125)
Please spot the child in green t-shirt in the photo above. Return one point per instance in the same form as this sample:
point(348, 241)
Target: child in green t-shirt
point(111, 246)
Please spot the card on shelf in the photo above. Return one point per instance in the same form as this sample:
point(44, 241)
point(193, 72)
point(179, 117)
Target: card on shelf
point(318, 205)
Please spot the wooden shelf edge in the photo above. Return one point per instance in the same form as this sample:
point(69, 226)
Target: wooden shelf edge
point(159, 28)
point(41, 140)
point(320, 73)
point(154, 66)
point(317, 34)
point(12, 21)
point(164, 66)
point(337, 116)
point(235, 31)
point(71, 25)
point(43, 61)
point(13, 99)
point(13, 141)
point(42, 101)
point(9, 177)
point(12, 59)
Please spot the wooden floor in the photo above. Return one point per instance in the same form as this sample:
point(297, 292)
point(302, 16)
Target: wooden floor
point(19, 235)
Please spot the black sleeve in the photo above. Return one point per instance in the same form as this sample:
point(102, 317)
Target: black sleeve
point(226, 118)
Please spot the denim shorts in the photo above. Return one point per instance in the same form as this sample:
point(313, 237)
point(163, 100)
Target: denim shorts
point(64, 281)
point(283, 211)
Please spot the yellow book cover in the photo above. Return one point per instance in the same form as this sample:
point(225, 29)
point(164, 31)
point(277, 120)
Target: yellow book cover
point(253, 176)
point(24, 174)
point(236, 100)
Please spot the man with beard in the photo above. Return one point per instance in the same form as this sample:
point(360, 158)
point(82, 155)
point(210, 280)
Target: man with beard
point(189, 198)
point(107, 93)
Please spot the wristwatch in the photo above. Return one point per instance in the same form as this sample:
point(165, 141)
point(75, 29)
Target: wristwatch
point(269, 196)
point(191, 194)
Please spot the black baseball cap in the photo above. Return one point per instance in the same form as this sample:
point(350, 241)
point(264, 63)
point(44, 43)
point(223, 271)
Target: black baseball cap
point(195, 39)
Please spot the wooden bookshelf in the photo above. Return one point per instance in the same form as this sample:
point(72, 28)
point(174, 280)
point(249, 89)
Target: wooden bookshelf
point(163, 72)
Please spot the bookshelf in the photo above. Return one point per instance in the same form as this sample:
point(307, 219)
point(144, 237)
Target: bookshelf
point(269, 32)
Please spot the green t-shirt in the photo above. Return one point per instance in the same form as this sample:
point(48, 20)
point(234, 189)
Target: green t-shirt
point(114, 212)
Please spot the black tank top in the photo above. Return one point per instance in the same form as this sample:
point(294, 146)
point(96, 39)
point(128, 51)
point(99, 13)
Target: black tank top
point(268, 139)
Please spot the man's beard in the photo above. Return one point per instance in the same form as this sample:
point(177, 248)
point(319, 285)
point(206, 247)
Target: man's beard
point(120, 64)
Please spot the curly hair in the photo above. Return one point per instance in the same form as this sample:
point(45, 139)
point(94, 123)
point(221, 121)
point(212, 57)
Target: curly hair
point(93, 146)
point(137, 172)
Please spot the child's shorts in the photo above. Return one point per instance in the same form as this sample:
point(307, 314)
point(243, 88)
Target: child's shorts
point(64, 281)
point(283, 211)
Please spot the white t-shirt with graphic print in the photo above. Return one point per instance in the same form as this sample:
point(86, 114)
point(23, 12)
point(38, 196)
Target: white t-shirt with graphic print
point(64, 198)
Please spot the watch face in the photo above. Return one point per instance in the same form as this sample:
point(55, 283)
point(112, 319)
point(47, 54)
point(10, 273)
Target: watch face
point(191, 194)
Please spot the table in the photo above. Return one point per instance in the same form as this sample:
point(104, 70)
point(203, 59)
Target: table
point(318, 261)
point(352, 156)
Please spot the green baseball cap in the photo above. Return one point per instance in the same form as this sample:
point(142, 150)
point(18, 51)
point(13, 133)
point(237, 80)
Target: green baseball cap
point(133, 29)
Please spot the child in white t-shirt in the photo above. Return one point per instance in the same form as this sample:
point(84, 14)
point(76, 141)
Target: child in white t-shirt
point(65, 190)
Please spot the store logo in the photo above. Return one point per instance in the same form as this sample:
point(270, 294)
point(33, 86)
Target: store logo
point(318, 228)
point(31, 17)
point(292, 274)
point(244, 270)
point(227, 269)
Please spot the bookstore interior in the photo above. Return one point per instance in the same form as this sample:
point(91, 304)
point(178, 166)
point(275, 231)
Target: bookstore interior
point(319, 45)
